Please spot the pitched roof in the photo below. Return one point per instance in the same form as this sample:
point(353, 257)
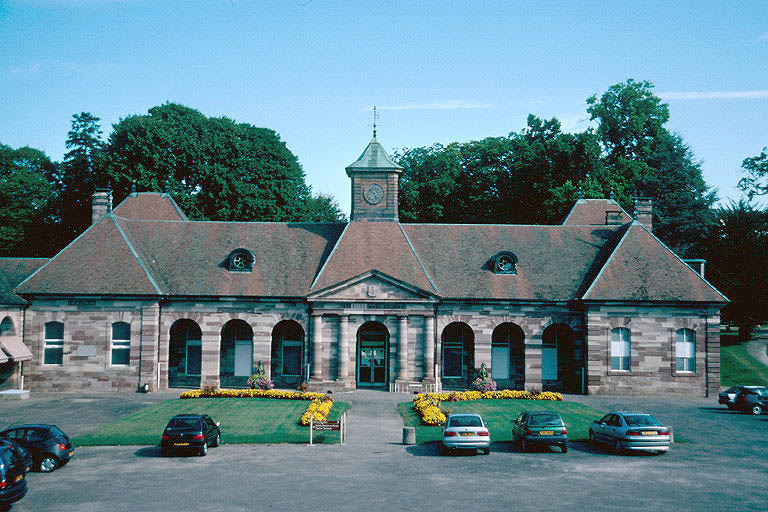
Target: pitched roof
point(641, 268)
point(552, 260)
point(591, 212)
point(374, 158)
point(149, 206)
point(381, 246)
point(12, 272)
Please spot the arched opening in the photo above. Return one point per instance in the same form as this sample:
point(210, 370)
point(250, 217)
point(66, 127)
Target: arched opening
point(559, 369)
point(458, 355)
point(508, 356)
point(372, 355)
point(236, 354)
point(6, 327)
point(185, 354)
point(287, 353)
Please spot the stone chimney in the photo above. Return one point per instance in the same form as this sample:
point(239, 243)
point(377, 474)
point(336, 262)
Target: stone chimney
point(644, 212)
point(101, 204)
point(613, 218)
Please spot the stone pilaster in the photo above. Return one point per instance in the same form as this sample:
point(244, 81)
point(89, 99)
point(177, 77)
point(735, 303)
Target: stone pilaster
point(402, 348)
point(209, 367)
point(317, 348)
point(148, 344)
point(429, 350)
point(533, 364)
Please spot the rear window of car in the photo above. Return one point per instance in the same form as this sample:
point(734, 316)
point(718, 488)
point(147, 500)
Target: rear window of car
point(56, 431)
point(466, 421)
point(538, 420)
point(641, 420)
point(184, 423)
point(8, 457)
point(732, 389)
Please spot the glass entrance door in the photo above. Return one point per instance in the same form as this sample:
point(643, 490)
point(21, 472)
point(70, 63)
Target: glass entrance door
point(372, 355)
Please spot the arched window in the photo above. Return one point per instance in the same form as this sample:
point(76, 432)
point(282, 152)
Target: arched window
point(685, 350)
point(504, 262)
point(620, 349)
point(121, 344)
point(6, 327)
point(458, 350)
point(240, 260)
point(236, 353)
point(186, 347)
point(507, 352)
point(53, 351)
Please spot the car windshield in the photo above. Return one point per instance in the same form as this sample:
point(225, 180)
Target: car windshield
point(641, 420)
point(184, 423)
point(732, 389)
point(538, 420)
point(762, 392)
point(466, 421)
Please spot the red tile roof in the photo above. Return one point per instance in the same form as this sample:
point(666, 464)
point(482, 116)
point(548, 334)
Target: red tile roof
point(149, 206)
point(591, 212)
point(12, 272)
point(641, 268)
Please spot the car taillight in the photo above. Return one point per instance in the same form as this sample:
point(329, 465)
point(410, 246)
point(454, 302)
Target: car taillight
point(565, 431)
point(449, 434)
point(199, 436)
point(62, 446)
point(634, 434)
point(664, 433)
point(528, 432)
point(166, 437)
point(483, 433)
point(2, 484)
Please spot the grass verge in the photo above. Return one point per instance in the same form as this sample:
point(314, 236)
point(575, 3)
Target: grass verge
point(499, 415)
point(243, 420)
point(738, 367)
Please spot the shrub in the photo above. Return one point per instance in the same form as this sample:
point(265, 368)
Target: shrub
point(484, 384)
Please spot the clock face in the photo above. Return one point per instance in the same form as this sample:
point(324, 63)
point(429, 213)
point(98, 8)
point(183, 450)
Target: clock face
point(374, 193)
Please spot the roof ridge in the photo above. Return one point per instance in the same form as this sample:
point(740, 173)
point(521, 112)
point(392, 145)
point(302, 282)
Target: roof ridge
point(423, 268)
point(607, 261)
point(135, 254)
point(330, 256)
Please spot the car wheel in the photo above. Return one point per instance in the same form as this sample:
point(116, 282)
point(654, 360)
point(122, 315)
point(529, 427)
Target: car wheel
point(731, 406)
point(523, 448)
point(757, 409)
point(48, 463)
point(204, 449)
point(618, 448)
point(486, 451)
point(217, 441)
point(564, 448)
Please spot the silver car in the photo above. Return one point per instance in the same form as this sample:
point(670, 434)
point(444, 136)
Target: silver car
point(630, 431)
point(465, 431)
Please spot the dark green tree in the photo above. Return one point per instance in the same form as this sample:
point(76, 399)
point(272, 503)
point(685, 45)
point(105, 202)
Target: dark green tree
point(27, 202)
point(755, 183)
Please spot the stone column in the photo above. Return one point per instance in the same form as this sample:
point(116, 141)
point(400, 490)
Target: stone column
point(343, 348)
point(429, 349)
point(317, 348)
point(402, 348)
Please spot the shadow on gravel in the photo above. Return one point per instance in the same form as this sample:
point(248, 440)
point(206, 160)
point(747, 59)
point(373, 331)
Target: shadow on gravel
point(719, 410)
point(148, 451)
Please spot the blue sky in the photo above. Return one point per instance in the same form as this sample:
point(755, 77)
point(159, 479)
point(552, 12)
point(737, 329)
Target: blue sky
point(438, 71)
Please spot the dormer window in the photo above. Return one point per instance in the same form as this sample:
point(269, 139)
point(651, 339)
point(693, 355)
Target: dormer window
point(505, 263)
point(240, 260)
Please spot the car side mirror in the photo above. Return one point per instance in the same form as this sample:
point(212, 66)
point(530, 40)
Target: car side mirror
point(601, 423)
point(218, 423)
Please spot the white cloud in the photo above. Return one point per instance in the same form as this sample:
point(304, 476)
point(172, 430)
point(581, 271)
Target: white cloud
point(443, 105)
point(756, 94)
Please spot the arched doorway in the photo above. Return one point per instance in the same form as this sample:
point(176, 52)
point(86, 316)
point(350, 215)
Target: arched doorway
point(236, 354)
point(559, 370)
point(372, 355)
point(287, 353)
point(508, 356)
point(185, 355)
point(6, 327)
point(458, 355)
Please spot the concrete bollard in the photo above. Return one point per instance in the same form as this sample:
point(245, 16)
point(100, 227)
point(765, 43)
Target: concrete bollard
point(409, 435)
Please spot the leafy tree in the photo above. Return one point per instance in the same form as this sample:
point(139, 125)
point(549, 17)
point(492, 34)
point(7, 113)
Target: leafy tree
point(738, 263)
point(755, 183)
point(27, 202)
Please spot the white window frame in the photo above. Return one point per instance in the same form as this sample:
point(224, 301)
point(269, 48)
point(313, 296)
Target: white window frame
point(120, 345)
point(53, 343)
point(621, 349)
point(685, 351)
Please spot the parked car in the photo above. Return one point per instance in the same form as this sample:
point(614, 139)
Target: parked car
point(539, 428)
point(13, 481)
point(728, 397)
point(190, 433)
point(630, 431)
point(23, 453)
point(760, 407)
point(465, 432)
point(49, 446)
point(746, 399)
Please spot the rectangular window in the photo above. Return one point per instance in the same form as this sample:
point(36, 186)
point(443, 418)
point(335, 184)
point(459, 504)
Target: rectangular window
point(620, 349)
point(53, 351)
point(121, 344)
point(452, 359)
point(194, 357)
point(292, 358)
point(685, 350)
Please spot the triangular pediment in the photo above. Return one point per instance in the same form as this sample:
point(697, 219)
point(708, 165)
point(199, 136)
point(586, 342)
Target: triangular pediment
point(373, 286)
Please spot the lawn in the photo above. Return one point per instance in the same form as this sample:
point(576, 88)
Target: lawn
point(500, 413)
point(243, 420)
point(738, 367)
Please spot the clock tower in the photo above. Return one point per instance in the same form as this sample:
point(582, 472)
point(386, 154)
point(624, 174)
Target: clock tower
point(374, 185)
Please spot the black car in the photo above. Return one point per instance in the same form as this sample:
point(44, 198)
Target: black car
point(23, 453)
point(728, 397)
point(190, 433)
point(539, 428)
point(13, 481)
point(49, 446)
point(760, 406)
point(747, 399)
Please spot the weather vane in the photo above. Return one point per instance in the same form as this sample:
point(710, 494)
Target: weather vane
point(375, 117)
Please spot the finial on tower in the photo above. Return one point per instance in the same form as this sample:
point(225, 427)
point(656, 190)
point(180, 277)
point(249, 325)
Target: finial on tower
point(375, 117)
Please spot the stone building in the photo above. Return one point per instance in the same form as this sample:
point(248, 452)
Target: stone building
point(145, 296)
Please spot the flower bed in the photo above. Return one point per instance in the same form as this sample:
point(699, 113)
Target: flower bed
point(319, 408)
point(427, 405)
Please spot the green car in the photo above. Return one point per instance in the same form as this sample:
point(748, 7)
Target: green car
point(539, 428)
